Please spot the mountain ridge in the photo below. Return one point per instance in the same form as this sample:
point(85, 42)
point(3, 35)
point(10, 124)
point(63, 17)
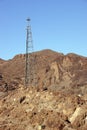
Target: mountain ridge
point(52, 68)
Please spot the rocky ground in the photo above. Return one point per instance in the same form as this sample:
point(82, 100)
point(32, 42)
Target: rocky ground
point(30, 109)
point(57, 102)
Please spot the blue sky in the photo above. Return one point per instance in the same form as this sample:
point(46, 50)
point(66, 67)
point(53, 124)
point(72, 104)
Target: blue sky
point(60, 25)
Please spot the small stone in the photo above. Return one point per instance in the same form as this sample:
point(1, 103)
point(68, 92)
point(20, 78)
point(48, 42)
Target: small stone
point(22, 99)
point(75, 114)
point(14, 99)
point(39, 127)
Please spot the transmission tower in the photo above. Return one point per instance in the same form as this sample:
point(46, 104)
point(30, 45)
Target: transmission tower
point(29, 75)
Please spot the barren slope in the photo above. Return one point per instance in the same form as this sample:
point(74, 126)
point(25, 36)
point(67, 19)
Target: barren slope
point(53, 70)
point(58, 101)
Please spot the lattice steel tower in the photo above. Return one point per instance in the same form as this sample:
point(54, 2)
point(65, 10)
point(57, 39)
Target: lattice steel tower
point(29, 75)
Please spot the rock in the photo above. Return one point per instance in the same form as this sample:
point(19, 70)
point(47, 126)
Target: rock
point(39, 127)
point(75, 114)
point(78, 118)
point(56, 74)
point(22, 99)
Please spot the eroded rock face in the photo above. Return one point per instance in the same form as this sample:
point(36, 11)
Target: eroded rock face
point(66, 73)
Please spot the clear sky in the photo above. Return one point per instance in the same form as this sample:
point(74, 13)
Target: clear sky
point(60, 25)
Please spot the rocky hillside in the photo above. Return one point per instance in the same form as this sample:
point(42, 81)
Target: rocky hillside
point(30, 109)
point(58, 101)
point(52, 70)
